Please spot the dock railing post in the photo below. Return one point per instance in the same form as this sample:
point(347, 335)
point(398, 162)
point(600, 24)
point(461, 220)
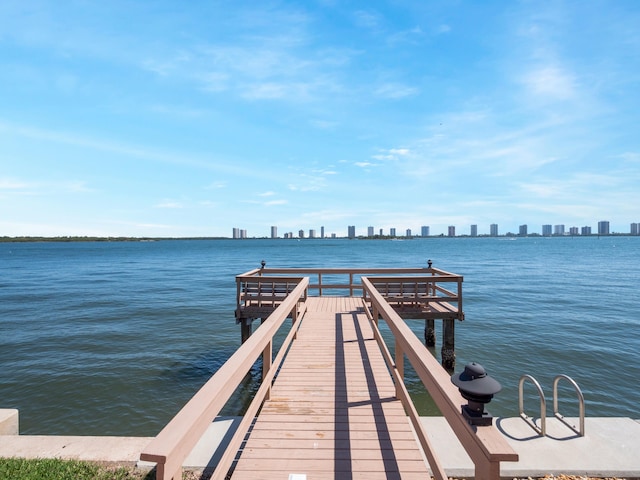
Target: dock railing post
point(267, 359)
point(487, 470)
point(399, 360)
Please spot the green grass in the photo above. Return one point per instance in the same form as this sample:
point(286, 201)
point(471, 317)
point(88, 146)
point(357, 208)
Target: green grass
point(56, 469)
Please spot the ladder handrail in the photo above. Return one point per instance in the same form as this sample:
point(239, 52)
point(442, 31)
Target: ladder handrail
point(557, 414)
point(542, 429)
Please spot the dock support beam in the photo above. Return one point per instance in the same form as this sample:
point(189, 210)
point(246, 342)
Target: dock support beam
point(448, 344)
point(429, 333)
point(245, 329)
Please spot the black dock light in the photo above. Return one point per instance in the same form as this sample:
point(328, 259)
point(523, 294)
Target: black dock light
point(429, 263)
point(263, 263)
point(478, 388)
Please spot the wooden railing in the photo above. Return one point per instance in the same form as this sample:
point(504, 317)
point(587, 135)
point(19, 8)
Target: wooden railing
point(398, 278)
point(264, 292)
point(424, 294)
point(173, 444)
point(484, 444)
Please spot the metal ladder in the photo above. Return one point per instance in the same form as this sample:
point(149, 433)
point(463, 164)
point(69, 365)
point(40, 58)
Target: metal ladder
point(542, 429)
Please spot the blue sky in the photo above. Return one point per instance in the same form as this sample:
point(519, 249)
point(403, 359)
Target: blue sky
point(171, 118)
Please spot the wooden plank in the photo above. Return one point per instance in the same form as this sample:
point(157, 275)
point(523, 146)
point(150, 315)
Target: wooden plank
point(333, 409)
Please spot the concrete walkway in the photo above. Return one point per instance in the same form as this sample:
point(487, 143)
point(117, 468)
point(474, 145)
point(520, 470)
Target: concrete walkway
point(609, 448)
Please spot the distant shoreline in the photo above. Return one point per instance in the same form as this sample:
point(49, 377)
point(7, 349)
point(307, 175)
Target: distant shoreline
point(69, 239)
point(28, 239)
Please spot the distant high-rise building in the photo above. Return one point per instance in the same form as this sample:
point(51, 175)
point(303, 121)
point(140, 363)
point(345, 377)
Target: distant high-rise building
point(474, 230)
point(300, 233)
point(352, 231)
point(558, 229)
point(236, 232)
point(424, 231)
point(574, 231)
point(321, 232)
point(274, 232)
point(546, 230)
point(451, 231)
point(369, 231)
point(522, 230)
point(603, 228)
point(312, 233)
point(408, 233)
point(381, 232)
point(585, 231)
point(243, 233)
point(392, 232)
point(635, 229)
point(493, 229)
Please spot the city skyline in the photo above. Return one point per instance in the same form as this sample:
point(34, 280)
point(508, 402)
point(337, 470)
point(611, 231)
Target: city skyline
point(187, 119)
point(602, 228)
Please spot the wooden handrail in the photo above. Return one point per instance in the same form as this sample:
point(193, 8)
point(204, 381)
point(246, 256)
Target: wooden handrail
point(176, 440)
point(484, 444)
point(397, 372)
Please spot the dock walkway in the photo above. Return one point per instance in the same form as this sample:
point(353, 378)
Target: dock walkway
point(333, 412)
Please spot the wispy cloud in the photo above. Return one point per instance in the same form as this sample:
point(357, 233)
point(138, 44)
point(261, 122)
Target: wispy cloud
point(125, 149)
point(395, 90)
point(169, 204)
point(13, 184)
point(367, 19)
point(551, 82)
point(43, 186)
point(392, 154)
point(272, 203)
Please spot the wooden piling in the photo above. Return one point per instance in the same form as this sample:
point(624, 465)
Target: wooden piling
point(429, 333)
point(245, 329)
point(448, 351)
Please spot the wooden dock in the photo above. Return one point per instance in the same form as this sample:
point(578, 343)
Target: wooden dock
point(333, 410)
point(332, 402)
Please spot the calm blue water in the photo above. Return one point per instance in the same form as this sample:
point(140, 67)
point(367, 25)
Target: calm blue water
point(113, 338)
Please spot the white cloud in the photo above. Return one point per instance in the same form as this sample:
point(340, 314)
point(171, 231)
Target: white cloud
point(366, 19)
point(77, 187)
point(395, 90)
point(177, 111)
point(400, 151)
point(324, 124)
point(392, 154)
point(169, 204)
point(11, 184)
point(633, 157)
point(552, 82)
point(272, 203)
